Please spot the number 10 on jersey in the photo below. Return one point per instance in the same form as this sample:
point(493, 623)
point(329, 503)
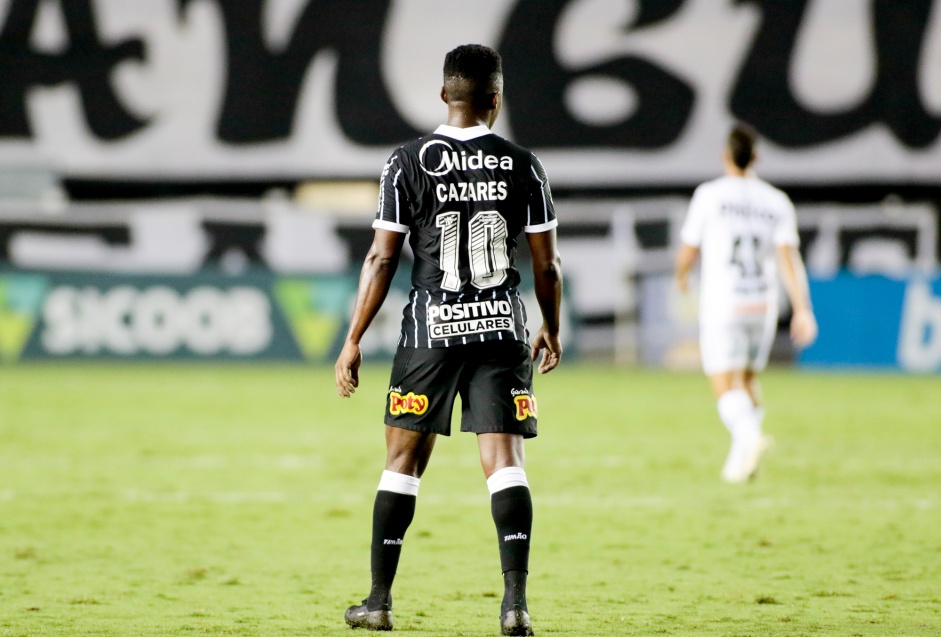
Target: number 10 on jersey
point(486, 249)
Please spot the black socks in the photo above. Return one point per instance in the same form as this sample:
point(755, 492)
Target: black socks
point(514, 591)
point(392, 514)
point(512, 510)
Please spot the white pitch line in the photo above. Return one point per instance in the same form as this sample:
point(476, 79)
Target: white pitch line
point(291, 462)
point(560, 501)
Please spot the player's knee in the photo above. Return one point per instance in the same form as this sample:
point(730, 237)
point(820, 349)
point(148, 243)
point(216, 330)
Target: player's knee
point(500, 451)
point(406, 462)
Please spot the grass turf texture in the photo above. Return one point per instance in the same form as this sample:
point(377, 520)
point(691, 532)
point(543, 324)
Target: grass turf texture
point(237, 501)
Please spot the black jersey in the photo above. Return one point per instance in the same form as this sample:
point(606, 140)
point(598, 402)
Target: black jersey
point(464, 195)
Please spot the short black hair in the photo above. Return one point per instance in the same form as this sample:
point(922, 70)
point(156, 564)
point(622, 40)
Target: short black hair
point(741, 144)
point(472, 71)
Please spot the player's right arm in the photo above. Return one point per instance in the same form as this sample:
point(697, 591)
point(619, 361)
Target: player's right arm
point(374, 282)
point(794, 275)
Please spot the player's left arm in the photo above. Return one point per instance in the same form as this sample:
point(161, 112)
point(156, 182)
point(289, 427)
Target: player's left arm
point(794, 275)
point(547, 276)
point(547, 265)
point(691, 238)
point(374, 282)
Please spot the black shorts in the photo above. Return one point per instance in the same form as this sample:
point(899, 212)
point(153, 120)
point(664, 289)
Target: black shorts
point(494, 379)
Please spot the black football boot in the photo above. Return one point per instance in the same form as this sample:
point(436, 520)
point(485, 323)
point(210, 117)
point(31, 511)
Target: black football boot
point(358, 616)
point(516, 622)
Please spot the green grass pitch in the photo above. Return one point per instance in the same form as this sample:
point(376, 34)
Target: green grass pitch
point(196, 500)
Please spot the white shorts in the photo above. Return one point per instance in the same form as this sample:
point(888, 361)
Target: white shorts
point(726, 347)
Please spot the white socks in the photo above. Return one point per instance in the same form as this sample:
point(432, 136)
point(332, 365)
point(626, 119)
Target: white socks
point(399, 483)
point(506, 478)
point(743, 420)
point(759, 416)
point(408, 485)
point(738, 413)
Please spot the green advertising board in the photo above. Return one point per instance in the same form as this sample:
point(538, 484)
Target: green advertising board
point(21, 298)
point(255, 316)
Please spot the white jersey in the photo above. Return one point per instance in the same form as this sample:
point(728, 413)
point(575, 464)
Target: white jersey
point(737, 222)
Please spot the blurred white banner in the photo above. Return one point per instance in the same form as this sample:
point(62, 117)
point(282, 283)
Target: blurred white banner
point(607, 92)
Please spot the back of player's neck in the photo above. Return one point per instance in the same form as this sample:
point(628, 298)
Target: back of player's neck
point(465, 119)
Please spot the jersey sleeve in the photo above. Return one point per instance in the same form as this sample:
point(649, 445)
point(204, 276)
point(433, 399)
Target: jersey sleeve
point(540, 211)
point(785, 230)
point(694, 226)
point(394, 211)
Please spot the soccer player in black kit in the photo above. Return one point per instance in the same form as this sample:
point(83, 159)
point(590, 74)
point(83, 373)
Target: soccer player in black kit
point(463, 196)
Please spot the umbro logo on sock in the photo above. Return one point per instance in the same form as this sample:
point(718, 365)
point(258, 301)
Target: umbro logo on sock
point(398, 542)
point(515, 536)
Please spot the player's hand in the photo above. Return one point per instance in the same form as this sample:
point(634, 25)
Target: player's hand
point(347, 369)
point(803, 328)
point(553, 350)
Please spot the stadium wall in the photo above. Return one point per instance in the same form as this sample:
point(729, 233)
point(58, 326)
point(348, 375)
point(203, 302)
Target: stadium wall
point(228, 279)
point(877, 322)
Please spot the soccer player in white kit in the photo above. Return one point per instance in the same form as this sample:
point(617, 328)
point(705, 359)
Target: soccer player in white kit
point(745, 230)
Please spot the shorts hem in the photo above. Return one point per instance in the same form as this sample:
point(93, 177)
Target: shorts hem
point(525, 433)
point(418, 428)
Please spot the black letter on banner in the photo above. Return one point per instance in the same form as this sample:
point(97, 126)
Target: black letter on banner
point(536, 84)
point(86, 62)
point(763, 95)
point(263, 87)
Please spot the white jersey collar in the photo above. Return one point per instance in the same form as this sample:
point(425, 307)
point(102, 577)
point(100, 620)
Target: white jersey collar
point(463, 134)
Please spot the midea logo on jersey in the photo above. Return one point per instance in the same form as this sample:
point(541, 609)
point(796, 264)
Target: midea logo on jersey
point(451, 160)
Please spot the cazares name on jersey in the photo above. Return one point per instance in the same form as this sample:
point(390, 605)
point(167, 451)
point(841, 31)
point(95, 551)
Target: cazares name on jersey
point(471, 191)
